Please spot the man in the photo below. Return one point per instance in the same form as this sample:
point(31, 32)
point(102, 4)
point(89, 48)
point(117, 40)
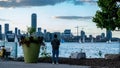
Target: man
point(55, 49)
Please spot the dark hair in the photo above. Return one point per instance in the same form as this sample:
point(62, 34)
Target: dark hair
point(55, 35)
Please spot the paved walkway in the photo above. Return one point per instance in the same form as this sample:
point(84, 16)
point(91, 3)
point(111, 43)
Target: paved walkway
point(13, 64)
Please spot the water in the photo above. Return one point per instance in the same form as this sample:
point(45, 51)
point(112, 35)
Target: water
point(91, 49)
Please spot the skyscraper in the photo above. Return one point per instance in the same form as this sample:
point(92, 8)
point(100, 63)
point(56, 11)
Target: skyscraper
point(34, 21)
point(0, 32)
point(82, 36)
point(16, 30)
point(102, 35)
point(108, 35)
point(39, 29)
point(0, 29)
point(6, 28)
point(19, 33)
point(45, 31)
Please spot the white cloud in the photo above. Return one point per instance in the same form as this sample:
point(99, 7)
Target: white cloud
point(4, 0)
point(73, 17)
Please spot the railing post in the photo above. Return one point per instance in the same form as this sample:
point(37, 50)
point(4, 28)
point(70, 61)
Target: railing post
point(16, 50)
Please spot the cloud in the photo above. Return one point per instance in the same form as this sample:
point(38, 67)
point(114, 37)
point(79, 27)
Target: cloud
point(27, 3)
point(73, 17)
point(81, 2)
point(24, 3)
point(4, 19)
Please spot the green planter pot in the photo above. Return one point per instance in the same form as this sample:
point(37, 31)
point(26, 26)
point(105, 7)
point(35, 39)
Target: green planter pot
point(31, 53)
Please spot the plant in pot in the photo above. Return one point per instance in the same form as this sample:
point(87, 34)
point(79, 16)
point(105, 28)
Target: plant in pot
point(31, 46)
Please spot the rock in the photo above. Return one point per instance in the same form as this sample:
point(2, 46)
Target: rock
point(78, 55)
point(112, 56)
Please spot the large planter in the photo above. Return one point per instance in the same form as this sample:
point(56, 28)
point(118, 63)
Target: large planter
point(31, 53)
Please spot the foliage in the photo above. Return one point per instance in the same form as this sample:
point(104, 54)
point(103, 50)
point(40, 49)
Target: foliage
point(32, 38)
point(44, 53)
point(107, 17)
point(30, 30)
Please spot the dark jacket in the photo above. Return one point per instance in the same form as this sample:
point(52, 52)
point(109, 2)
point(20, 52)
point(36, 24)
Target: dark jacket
point(55, 44)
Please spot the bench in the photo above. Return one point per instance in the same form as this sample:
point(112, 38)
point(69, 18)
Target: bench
point(6, 52)
point(1, 53)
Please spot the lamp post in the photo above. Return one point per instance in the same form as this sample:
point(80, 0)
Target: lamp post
point(5, 39)
point(119, 46)
point(16, 44)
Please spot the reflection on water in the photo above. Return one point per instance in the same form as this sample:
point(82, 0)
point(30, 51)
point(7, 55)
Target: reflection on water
point(91, 49)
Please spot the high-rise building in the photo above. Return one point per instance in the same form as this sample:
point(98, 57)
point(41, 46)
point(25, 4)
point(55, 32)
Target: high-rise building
point(82, 36)
point(16, 30)
point(34, 21)
point(39, 32)
point(6, 28)
point(108, 35)
point(0, 29)
point(39, 29)
point(45, 31)
point(0, 32)
point(102, 35)
point(67, 33)
point(19, 33)
point(48, 37)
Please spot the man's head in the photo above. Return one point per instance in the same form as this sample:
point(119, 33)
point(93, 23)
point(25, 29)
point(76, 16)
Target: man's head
point(55, 36)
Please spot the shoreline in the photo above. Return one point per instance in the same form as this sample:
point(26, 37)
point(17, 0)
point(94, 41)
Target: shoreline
point(93, 62)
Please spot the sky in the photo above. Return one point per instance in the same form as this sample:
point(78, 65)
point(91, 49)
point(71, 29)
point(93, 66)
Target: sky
point(52, 15)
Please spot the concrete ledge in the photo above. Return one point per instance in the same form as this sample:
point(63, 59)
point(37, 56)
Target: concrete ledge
point(112, 56)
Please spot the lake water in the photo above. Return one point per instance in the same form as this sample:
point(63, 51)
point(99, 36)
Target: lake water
point(91, 49)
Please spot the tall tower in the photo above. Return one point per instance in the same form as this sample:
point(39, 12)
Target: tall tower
point(0, 32)
point(6, 28)
point(19, 32)
point(16, 30)
point(34, 21)
point(0, 29)
point(108, 35)
point(39, 29)
point(82, 36)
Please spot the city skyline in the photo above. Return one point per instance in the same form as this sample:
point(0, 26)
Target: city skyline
point(68, 32)
point(54, 18)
